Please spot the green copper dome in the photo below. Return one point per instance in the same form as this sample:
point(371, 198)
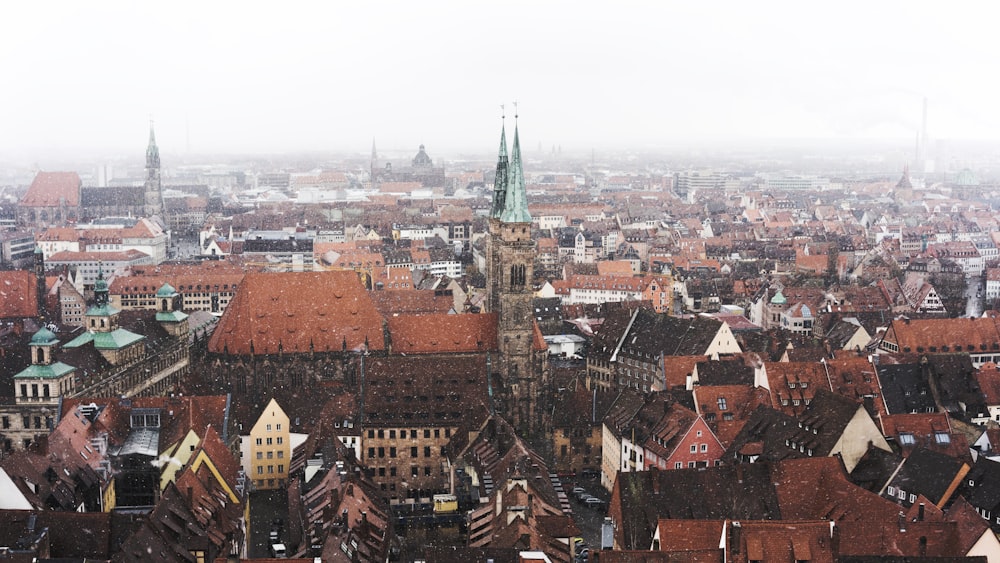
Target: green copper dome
point(44, 337)
point(166, 291)
point(778, 299)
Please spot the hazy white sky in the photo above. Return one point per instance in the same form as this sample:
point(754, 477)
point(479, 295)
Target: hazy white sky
point(284, 76)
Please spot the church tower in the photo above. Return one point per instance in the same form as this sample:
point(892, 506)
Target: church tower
point(510, 265)
point(154, 192)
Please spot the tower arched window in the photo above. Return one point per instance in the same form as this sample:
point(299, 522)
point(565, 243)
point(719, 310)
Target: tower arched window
point(517, 275)
point(41, 356)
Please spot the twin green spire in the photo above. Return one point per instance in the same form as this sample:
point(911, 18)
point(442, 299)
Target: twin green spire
point(510, 198)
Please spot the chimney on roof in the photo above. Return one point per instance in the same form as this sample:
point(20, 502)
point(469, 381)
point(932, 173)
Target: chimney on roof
point(920, 513)
point(902, 522)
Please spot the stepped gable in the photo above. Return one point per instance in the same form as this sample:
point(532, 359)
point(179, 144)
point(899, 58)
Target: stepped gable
point(298, 312)
point(443, 333)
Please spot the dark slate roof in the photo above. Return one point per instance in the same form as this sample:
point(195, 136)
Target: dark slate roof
point(725, 372)
point(653, 334)
point(611, 331)
point(956, 381)
point(112, 196)
point(740, 492)
point(424, 390)
point(264, 246)
point(547, 309)
point(927, 473)
point(839, 334)
point(875, 468)
point(581, 407)
point(985, 493)
point(775, 436)
point(905, 388)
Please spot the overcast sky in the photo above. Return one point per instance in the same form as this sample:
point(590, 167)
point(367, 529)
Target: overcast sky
point(330, 76)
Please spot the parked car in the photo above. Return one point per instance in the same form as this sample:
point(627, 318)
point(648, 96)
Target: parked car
point(594, 502)
point(577, 491)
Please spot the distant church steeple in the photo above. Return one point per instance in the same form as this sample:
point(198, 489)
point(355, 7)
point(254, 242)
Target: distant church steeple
point(904, 182)
point(153, 187)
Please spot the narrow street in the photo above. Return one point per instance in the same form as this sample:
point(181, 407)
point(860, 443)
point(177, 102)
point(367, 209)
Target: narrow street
point(974, 296)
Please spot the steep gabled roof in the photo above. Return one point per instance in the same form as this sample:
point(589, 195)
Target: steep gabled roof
point(18, 295)
point(443, 333)
point(52, 189)
point(297, 312)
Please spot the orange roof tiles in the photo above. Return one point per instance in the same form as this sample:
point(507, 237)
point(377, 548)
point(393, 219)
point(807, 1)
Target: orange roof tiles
point(927, 335)
point(18, 294)
point(111, 256)
point(52, 189)
point(432, 334)
point(677, 368)
point(296, 312)
point(614, 268)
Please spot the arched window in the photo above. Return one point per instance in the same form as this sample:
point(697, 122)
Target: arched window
point(41, 356)
point(165, 306)
point(517, 275)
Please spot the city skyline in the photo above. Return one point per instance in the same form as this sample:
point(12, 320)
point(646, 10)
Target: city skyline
point(228, 78)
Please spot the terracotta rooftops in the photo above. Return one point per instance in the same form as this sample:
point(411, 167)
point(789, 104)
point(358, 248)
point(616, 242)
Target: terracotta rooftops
point(51, 189)
point(927, 335)
point(437, 333)
point(298, 311)
point(112, 256)
point(18, 294)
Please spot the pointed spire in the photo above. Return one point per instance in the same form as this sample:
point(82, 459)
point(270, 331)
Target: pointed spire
point(152, 151)
point(516, 201)
point(500, 181)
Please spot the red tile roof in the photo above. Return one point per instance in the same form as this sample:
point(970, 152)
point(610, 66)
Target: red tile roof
point(921, 335)
point(18, 295)
point(111, 256)
point(52, 189)
point(296, 311)
point(435, 334)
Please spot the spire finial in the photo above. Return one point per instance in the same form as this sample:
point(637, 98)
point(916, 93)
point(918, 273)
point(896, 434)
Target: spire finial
point(515, 110)
point(503, 112)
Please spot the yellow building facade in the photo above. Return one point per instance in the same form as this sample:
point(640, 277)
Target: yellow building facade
point(270, 448)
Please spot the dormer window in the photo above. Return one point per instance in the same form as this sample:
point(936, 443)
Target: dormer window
point(942, 437)
point(907, 439)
